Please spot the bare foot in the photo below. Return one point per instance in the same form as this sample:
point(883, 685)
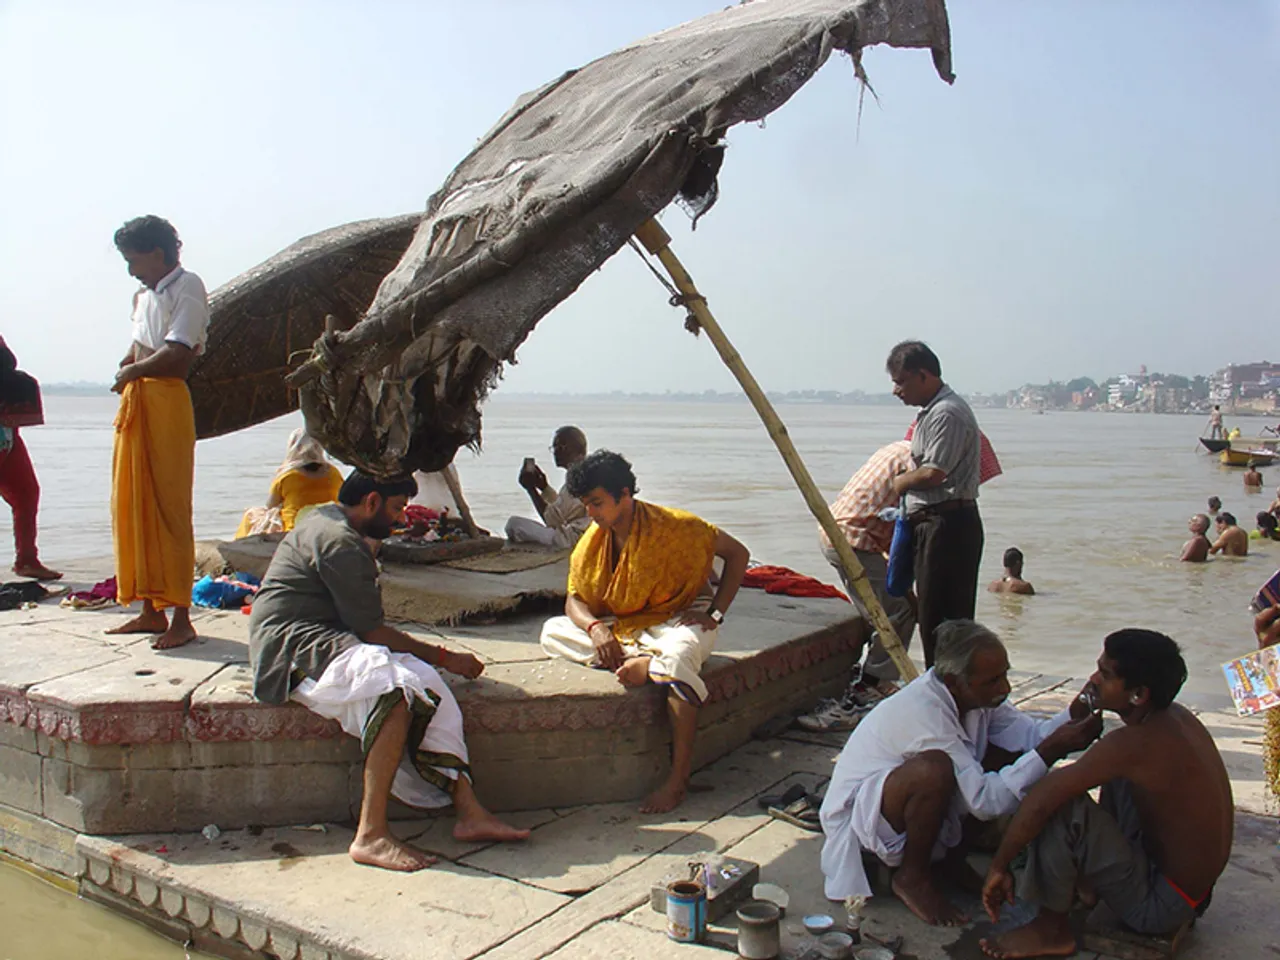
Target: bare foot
point(387, 852)
point(146, 622)
point(923, 899)
point(667, 797)
point(485, 826)
point(179, 632)
point(634, 672)
point(35, 571)
point(1045, 936)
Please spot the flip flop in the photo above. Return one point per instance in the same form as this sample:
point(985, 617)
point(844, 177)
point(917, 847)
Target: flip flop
point(802, 813)
point(793, 793)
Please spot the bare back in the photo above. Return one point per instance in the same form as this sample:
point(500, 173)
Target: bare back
point(1183, 796)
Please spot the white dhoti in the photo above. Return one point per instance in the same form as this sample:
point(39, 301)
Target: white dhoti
point(676, 652)
point(359, 687)
point(525, 530)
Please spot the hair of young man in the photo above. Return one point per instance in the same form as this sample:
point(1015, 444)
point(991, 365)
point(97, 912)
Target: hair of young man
point(1214, 503)
point(144, 234)
point(1266, 520)
point(1013, 557)
point(958, 643)
point(359, 485)
point(1145, 658)
point(1228, 518)
point(911, 356)
point(605, 469)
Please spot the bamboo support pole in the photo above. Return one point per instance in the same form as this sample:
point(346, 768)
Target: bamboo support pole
point(658, 242)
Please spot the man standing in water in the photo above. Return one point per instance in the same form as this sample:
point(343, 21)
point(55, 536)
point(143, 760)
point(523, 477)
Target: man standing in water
point(940, 493)
point(153, 466)
point(1196, 550)
point(1232, 540)
point(1154, 845)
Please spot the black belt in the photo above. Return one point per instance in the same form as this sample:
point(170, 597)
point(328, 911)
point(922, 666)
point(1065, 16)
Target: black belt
point(945, 506)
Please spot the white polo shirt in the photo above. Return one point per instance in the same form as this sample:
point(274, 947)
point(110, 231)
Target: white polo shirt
point(176, 310)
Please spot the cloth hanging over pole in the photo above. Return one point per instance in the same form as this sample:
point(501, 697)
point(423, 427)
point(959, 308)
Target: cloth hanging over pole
point(658, 242)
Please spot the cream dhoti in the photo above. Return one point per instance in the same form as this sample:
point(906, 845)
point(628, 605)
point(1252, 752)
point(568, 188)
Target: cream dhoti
point(361, 686)
point(676, 652)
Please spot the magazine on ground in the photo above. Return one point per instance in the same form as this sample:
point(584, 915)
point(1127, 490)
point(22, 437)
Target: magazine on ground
point(1254, 680)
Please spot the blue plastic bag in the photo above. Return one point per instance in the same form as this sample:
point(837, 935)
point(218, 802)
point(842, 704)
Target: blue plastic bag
point(901, 572)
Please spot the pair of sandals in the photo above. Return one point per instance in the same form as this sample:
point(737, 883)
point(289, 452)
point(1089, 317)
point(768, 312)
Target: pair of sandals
point(796, 806)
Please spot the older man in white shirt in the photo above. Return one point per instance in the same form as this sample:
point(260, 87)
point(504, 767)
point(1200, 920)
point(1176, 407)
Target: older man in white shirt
point(564, 518)
point(914, 767)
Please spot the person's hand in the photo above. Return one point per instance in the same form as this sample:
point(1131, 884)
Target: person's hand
point(1267, 626)
point(1083, 704)
point(1074, 735)
point(123, 377)
point(996, 892)
point(463, 664)
point(697, 617)
point(608, 649)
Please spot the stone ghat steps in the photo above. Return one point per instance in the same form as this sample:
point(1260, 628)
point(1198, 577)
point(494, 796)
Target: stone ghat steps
point(104, 735)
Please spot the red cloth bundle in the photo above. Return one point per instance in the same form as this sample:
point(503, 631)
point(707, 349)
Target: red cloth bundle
point(785, 581)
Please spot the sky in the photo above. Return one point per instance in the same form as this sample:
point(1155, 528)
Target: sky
point(1097, 191)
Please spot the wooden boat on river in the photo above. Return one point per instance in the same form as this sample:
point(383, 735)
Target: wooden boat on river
point(1232, 456)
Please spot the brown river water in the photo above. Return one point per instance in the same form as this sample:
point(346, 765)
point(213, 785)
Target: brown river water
point(1097, 502)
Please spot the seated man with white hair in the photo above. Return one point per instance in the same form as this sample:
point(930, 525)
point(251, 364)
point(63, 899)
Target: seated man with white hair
point(564, 518)
point(915, 766)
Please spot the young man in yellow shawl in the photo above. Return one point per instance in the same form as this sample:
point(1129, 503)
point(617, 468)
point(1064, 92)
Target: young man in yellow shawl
point(153, 465)
point(639, 600)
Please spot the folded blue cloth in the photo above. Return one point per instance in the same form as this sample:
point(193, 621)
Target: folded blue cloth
point(224, 593)
point(901, 572)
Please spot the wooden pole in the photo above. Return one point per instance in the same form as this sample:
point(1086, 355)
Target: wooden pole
point(658, 242)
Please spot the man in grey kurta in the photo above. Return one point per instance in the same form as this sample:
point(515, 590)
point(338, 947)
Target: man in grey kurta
point(940, 495)
point(317, 635)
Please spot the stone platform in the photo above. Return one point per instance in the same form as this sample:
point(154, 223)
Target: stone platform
point(579, 889)
point(103, 735)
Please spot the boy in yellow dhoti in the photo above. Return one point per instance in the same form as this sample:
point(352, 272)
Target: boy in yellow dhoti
point(153, 465)
point(639, 600)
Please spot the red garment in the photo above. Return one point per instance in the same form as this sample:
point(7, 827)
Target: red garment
point(786, 581)
point(988, 463)
point(21, 490)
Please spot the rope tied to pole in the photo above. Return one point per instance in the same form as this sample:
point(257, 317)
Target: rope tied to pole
point(675, 298)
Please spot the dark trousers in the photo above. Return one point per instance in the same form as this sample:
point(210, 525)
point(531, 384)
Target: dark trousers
point(946, 543)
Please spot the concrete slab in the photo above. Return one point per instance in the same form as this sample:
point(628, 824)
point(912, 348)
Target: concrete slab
point(36, 653)
point(620, 941)
point(595, 844)
point(304, 885)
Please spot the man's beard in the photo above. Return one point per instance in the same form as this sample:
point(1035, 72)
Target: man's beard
point(379, 527)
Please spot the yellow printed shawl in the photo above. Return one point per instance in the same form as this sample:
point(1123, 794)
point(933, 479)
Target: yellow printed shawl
point(663, 566)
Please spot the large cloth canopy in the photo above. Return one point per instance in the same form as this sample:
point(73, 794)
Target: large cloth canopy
point(550, 193)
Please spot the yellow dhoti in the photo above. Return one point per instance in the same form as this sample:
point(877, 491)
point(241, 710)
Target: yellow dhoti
point(152, 472)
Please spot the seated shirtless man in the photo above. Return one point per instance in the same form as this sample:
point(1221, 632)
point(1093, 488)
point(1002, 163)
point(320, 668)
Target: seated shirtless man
point(921, 761)
point(639, 602)
point(1159, 838)
point(1012, 581)
point(1196, 550)
point(317, 636)
point(1232, 540)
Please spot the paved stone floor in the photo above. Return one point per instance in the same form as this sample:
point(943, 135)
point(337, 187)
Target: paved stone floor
point(579, 888)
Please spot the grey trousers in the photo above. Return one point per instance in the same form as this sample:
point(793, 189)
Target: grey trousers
point(1101, 844)
point(900, 611)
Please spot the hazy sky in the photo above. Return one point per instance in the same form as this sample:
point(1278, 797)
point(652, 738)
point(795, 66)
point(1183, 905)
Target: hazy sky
point(1098, 190)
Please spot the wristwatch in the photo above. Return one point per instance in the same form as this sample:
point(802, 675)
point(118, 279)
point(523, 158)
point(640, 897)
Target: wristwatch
point(716, 616)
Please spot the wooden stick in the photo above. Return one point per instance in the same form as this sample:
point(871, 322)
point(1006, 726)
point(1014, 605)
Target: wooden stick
point(658, 243)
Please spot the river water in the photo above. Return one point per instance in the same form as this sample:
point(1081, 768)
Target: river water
point(1097, 502)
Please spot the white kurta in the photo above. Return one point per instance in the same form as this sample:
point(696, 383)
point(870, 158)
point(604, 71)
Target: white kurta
point(922, 716)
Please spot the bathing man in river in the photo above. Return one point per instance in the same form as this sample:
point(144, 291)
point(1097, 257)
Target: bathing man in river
point(639, 601)
point(317, 636)
point(1158, 839)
